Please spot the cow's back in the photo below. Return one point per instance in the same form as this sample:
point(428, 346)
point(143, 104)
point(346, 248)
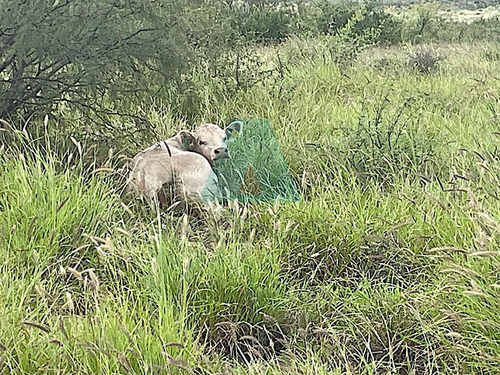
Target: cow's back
point(177, 174)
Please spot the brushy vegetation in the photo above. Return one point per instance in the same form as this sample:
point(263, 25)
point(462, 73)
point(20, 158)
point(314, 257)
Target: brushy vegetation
point(388, 264)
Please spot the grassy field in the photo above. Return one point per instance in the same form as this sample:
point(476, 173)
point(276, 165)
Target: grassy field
point(389, 263)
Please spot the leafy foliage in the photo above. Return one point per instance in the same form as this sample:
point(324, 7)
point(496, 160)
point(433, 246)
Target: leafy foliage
point(330, 17)
point(348, 42)
point(263, 21)
point(101, 57)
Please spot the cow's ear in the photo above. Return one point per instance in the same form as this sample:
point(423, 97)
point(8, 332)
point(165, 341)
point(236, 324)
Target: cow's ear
point(188, 140)
point(234, 130)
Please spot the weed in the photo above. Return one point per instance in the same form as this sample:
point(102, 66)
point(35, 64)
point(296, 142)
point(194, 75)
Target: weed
point(424, 61)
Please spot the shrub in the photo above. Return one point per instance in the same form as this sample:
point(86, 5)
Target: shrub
point(425, 61)
point(419, 20)
point(328, 18)
point(386, 147)
point(263, 22)
point(348, 42)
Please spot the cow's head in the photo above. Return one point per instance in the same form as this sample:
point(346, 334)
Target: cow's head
point(210, 140)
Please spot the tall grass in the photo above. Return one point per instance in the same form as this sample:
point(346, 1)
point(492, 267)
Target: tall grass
point(389, 264)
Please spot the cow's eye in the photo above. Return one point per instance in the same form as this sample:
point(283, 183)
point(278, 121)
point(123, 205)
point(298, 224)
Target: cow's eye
point(201, 143)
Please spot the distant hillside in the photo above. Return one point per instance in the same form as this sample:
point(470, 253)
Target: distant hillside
point(460, 4)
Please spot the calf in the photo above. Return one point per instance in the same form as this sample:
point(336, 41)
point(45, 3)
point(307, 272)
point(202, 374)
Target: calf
point(181, 167)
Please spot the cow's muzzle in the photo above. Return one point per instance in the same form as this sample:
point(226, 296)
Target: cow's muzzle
point(221, 153)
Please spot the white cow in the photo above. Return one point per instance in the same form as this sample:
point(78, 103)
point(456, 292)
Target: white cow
point(180, 168)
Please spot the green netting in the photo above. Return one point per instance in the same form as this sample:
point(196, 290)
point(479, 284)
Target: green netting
point(257, 150)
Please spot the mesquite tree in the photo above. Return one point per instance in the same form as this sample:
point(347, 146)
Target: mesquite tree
point(99, 55)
